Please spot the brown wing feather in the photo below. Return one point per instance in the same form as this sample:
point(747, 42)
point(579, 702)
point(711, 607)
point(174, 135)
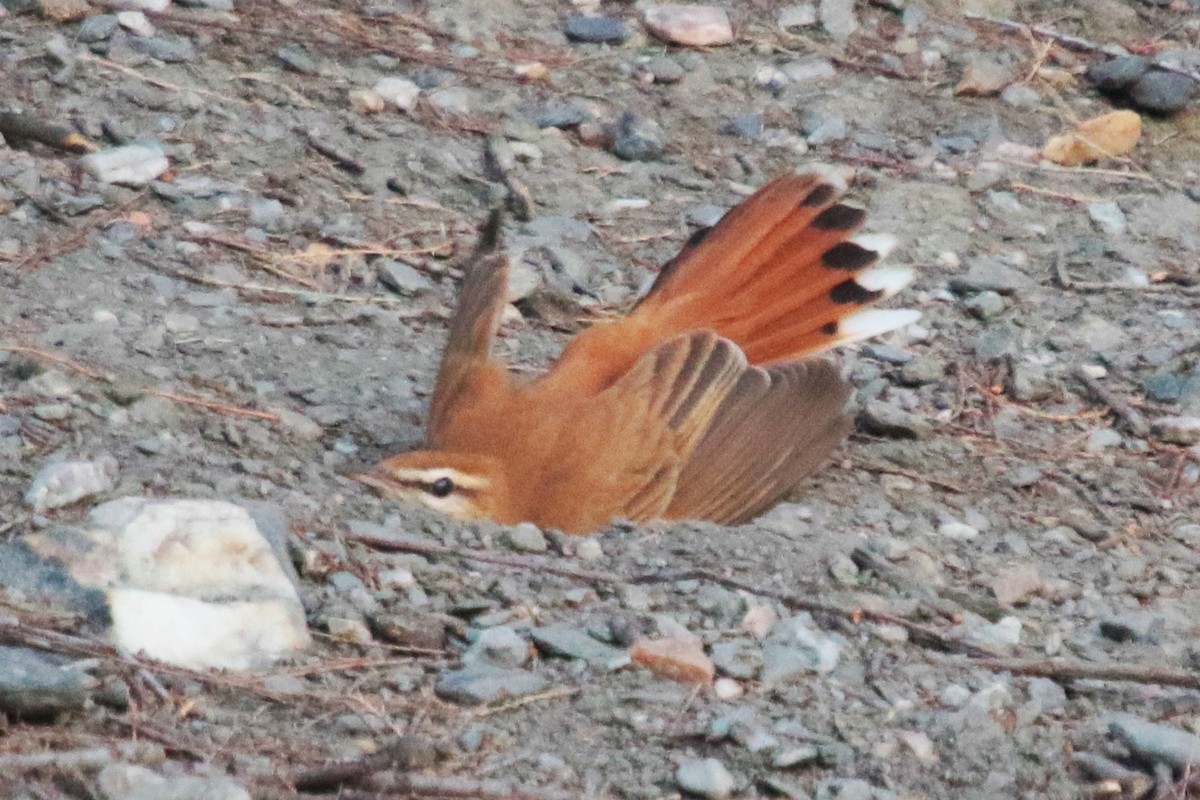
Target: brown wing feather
point(657, 412)
point(772, 430)
point(466, 364)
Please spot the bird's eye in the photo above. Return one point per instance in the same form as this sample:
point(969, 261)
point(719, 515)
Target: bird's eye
point(442, 487)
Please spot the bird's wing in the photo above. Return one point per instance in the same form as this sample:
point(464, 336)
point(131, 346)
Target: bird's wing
point(773, 429)
point(466, 362)
point(655, 415)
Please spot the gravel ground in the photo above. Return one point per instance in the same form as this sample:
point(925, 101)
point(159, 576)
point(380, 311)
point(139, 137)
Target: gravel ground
point(266, 316)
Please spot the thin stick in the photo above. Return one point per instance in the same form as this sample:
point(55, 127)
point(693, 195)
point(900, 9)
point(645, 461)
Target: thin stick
point(1126, 413)
point(521, 702)
point(921, 633)
point(1074, 198)
point(1065, 670)
point(63, 361)
point(887, 469)
point(161, 84)
point(212, 405)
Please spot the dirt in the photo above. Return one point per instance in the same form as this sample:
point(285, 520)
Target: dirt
point(266, 312)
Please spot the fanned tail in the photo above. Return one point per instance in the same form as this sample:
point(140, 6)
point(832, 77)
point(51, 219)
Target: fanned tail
point(783, 275)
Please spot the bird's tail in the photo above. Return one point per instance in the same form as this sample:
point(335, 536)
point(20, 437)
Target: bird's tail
point(783, 275)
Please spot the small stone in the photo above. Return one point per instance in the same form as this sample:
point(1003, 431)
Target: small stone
point(596, 30)
point(1108, 218)
point(746, 126)
point(568, 642)
point(727, 689)
point(1049, 695)
point(814, 69)
point(1134, 626)
point(665, 70)
point(454, 100)
point(1118, 73)
point(97, 28)
point(795, 756)
point(526, 537)
point(1005, 633)
point(795, 649)
point(589, 550)
point(1014, 584)
point(677, 658)
point(133, 782)
point(954, 696)
point(797, 16)
point(400, 93)
point(922, 370)
point(479, 684)
point(985, 305)
point(1177, 430)
point(348, 629)
point(829, 129)
point(1156, 743)
point(1021, 95)
point(958, 531)
point(884, 419)
point(692, 26)
point(989, 274)
point(638, 138)
point(919, 744)
point(1162, 92)
point(706, 778)
point(402, 278)
point(58, 485)
point(983, 77)
point(131, 165)
point(1102, 439)
point(837, 18)
point(38, 685)
point(500, 646)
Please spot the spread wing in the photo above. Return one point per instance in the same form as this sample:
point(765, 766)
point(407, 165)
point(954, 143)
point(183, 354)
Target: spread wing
point(466, 366)
point(772, 430)
point(649, 421)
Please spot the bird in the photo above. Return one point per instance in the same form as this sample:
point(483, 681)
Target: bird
point(705, 401)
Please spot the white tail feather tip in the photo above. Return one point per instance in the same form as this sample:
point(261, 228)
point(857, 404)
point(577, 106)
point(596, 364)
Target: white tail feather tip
point(873, 322)
point(881, 243)
point(887, 280)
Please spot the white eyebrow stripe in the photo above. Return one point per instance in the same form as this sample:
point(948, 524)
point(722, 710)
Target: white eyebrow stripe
point(428, 477)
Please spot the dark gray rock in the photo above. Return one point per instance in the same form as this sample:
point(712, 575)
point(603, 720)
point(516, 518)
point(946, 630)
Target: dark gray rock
point(746, 126)
point(37, 685)
point(1154, 743)
point(1118, 73)
point(596, 30)
point(567, 642)
point(1162, 92)
point(480, 684)
point(884, 419)
point(638, 138)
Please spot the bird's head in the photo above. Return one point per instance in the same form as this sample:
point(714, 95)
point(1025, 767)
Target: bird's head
point(459, 485)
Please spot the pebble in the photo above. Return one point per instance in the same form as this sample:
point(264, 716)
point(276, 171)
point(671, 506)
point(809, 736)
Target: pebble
point(568, 642)
point(837, 18)
point(454, 100)
point(794, 648)
point(1117, 73)
point(130, 165)
point(665, 70)
point(919, 744)
point(921, 370)
point(678, 658)
point(133, 782)
point(402, 278)
point(1021, 95)
point(525, 537)
point(797, 16)
point(500, 646)
point(1014, 584)
point(97, 28)
point(1108, 218)
point(985, 305)
point(746, 126)
point(1102, 439)
point(638, 138)
point(795, 756)
point(1162, 92)
point(135, 22)
point(479, 684)
point(689, 25)
point(37, 685)
point(596, 29)
point(884, 419)
point(1005, 633)
point(589, 550)
point(958, 531)
point(1155, 742)
point(1177, 430)
point(67, 482)
point(990, 274)
point(399, 93)
point(706, 777)
point(983, 76)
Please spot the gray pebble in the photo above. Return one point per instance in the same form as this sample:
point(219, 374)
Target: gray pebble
point(97, 28)
point(565, 641)
point(296, 60)
point(478, 684)
point(132, 165)
point(1154, 742)
point(665, 70)
point(989, 274)
point(168, 49)
point(37, 685)
point(402, 278)
point(797, 16)
point(844, 789)
point(638, 138)
point(597, 30)
point(996, 342)
point(706, 777)
point(1021, 95)
point(884, 419)
point(746, 126)
point(1162, 92)
point(1108, 218)
point(985, 305)
point(1177, 430)
point(500, 646)
point(527, 538)
point(921, 370)
point(1118, 73)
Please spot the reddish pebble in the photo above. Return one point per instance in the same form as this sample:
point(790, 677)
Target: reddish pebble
point(694, 26)
point(677, 658)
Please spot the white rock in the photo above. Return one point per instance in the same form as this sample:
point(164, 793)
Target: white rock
point(191, 582)
point(694, 26)
point(58, 485)
point(798, 16)
point(131, 164)
point(706, 777)
point(136, 22)
point(399, 93)
point(1177, 430)
point(958, 530)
